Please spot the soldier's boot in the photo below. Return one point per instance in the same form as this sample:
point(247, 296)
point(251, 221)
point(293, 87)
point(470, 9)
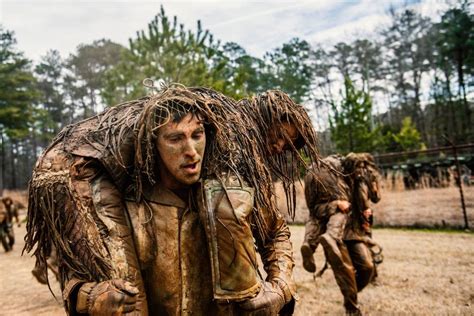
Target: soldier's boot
point(39, 272)
point(11, 237)
point(308, 260)
point(353, 312)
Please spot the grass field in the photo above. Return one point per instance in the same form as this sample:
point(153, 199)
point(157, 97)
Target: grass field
point(439, 208)
point(424, 273)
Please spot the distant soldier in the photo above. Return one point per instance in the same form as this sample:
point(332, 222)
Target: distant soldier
point(8, 211)
point(327, 197)
point(337, 196)
point(363, 177)
point(13, 208)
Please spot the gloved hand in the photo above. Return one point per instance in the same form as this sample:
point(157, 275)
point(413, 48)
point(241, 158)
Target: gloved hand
point(112, 297)
point(269, 301)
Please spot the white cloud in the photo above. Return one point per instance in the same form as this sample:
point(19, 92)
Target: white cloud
point(258, 26)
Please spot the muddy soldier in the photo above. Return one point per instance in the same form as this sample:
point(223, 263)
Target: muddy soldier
point(8, 211)
point(337, 194)
point(154, 206)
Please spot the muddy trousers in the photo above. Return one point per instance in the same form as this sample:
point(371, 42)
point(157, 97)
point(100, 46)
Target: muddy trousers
point(312, 233)
point(362, 261)
point(337, 254)
point(311, 242)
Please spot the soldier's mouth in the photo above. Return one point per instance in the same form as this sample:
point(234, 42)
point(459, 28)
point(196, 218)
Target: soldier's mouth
point(191, 167)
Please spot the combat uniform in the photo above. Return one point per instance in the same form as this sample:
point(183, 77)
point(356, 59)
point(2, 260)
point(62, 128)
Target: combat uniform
point(168, 248)
point(342, 235)
point(324, 187)
point(7, 212)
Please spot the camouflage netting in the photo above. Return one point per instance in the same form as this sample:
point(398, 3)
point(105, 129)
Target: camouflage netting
point(122, 140)
point(267, 112)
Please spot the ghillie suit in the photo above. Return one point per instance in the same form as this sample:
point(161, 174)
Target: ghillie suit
point(264, 115)
point(364, 177)
point(342, 233)
point(325, 191)
point(95, 197)
point(6, 229)
point(324, 188)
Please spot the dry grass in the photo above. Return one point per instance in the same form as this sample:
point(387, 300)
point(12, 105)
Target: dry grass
point(423, 273)
point(415, 208)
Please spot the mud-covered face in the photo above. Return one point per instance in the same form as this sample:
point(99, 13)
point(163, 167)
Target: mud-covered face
point(368, 174)
point(181, 149)
point(277, 142)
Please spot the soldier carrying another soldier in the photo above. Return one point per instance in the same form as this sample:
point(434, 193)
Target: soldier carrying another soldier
point(337, 194)
point(157, 206)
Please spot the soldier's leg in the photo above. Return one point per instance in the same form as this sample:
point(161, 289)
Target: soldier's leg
point(11, 235)
point(52, 263)
point(39, 272)
point(340, 261)
point(362, 261)
point(312, 233)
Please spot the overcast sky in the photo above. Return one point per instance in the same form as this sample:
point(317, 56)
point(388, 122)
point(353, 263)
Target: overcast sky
point(258, 26)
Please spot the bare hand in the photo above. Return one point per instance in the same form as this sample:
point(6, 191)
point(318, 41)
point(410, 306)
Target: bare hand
point(343, 206)
point(367, 213)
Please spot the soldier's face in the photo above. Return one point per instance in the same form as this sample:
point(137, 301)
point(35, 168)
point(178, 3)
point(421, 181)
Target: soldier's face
point(277, 142)
point(181, 149)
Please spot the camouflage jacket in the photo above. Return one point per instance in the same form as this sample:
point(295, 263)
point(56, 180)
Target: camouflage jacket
point(327, 184)
point(324, 186)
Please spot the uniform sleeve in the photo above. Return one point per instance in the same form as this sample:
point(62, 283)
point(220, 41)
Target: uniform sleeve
point(94, 189)
point(277, 255)
point(320, 200)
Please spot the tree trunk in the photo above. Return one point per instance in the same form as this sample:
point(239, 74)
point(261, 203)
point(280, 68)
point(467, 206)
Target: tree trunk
point(13, 164)
point(467, 111)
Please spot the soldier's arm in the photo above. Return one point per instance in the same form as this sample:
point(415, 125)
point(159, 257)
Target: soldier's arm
point(95, 190)
point(15, 214)
point(277, 255)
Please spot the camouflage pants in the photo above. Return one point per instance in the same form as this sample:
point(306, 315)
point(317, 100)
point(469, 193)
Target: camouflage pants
point(362, 261)
point(313, 230)
point(337, 254)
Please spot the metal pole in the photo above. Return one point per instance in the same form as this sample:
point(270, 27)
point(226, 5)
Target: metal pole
point(459, 181)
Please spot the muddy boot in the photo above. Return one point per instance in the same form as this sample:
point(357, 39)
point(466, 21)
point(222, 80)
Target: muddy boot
point(308, 259)
point(40, 273)
point(353, 312)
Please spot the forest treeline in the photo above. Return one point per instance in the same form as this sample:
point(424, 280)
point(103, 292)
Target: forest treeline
point(401, 89)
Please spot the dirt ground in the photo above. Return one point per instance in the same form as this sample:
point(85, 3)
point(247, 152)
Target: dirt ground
point(423, 273)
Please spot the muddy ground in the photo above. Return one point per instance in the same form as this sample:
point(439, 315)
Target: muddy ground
point(424, 273)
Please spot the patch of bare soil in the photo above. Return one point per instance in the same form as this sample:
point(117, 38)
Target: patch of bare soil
point(423, 273)
point(20, 293)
